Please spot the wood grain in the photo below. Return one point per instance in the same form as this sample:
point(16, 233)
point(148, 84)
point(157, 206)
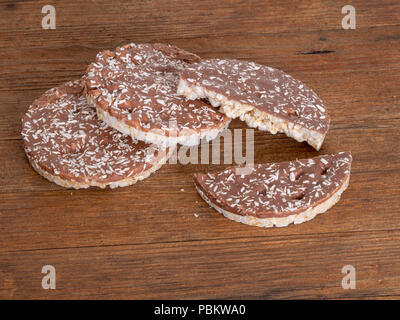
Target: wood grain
point(145, 241)
point(278, 267)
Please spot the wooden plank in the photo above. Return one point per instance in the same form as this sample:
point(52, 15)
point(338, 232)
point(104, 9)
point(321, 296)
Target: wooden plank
point(65, 218)
point(285, 267)
point(348, 105)
point(368, 59)
point(356, 138)
point(112, 23)
point(357, 50)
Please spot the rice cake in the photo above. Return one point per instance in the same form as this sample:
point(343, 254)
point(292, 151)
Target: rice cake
point(263, 97)
point(277, 194)
point(134, 91)
point(66, 143)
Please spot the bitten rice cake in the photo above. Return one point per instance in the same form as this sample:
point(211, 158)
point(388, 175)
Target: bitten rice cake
point(263, 97)
point(277, 194)
point(67, 144)
point(134, 91)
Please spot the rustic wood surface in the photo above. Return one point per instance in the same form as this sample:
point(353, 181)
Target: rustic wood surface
point(144, 241)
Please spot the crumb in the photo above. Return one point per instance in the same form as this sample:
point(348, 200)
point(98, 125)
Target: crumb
point(196, 215)
point(182, 189)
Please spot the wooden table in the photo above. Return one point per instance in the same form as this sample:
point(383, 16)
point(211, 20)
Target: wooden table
point(145, 241)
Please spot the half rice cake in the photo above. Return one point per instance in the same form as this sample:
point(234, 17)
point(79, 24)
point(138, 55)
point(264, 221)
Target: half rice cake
point(67, 144)
point(134, 89)
point(263, 97)
point(277, 194)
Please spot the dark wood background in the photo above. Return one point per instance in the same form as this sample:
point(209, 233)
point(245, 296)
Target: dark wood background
point(144, 241)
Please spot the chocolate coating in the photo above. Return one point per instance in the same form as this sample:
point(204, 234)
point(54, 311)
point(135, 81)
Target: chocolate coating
point(267, 89)
point(277, 189)
point(137, 84)
point(62, 135)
